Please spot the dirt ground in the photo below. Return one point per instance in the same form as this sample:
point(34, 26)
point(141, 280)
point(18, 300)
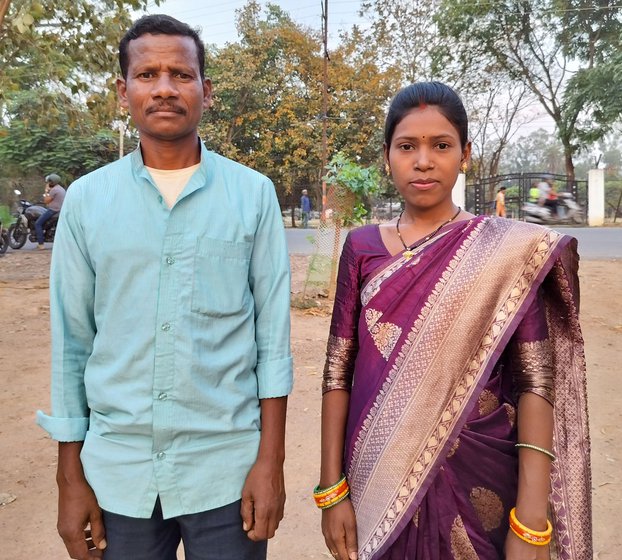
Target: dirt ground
point(28, 457)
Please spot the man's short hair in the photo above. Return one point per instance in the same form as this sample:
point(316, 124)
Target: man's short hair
point(159, 24)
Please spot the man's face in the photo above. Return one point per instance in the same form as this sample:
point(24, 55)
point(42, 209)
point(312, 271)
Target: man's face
point(163, 91)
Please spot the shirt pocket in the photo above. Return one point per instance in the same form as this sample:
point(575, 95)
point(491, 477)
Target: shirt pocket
point(220, 277)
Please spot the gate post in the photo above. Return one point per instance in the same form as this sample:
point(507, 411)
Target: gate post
point(596, 197)
point(458, 193)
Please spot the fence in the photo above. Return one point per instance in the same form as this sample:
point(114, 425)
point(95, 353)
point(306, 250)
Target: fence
point(480, 197)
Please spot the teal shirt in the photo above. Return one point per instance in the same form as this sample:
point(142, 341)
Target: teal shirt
point(168, 327)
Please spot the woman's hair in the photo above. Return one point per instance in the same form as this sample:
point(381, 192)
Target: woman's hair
point(427, 93)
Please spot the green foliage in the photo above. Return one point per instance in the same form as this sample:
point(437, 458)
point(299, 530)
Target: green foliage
point(553, 46)
point(349, 177)
point(67, 141)
point(6, 219)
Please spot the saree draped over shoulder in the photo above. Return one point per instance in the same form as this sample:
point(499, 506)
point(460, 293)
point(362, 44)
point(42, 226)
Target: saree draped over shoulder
point(435, 349)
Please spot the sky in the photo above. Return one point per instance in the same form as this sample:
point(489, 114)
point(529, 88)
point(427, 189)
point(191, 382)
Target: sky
point(216, 18)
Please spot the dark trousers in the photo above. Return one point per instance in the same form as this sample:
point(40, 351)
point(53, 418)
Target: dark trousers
point(40, 223)
point(211, 535)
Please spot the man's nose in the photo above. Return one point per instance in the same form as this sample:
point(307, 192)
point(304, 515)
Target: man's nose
point(165, 86)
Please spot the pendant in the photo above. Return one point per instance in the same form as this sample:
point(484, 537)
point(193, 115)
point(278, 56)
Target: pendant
point(408, 254)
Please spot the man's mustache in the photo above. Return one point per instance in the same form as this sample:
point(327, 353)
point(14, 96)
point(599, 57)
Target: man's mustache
point(166, 107)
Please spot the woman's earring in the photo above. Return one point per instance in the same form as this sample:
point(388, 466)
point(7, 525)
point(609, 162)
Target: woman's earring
point(464, 167)
point(387, 169)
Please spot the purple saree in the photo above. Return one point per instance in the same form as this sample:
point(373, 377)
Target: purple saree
point(435, 350)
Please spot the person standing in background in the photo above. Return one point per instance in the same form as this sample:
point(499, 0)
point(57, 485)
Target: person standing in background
point(305, 208)
point(500, 203)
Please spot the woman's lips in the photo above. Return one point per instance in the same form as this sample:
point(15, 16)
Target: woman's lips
point(423, 184)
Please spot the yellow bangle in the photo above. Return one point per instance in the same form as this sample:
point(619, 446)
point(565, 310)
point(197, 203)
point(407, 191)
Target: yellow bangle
point(538, 538)
point(328, 497)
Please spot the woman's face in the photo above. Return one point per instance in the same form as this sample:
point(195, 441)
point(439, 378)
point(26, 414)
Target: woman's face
point(425, 156)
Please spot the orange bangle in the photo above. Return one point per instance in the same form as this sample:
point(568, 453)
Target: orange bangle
point(331, 496)
point(538, 538)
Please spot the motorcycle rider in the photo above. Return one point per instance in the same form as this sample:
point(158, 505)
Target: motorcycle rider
point(53, 198)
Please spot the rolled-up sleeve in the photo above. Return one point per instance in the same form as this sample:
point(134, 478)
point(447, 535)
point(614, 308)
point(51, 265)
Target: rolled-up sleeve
point(72, 289)
point(270, 284)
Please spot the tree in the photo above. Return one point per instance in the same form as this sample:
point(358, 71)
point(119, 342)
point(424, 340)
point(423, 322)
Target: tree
point(68, 141)
point(528, 41)
point(492, 125)
point(402, 33)
point(540, 151)
point(267, 104)
point(64, 45)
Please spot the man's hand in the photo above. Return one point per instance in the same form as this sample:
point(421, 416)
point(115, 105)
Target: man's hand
point(80, 522)
point(263, 499)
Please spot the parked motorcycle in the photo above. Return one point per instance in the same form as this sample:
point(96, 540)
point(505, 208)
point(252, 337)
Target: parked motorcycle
point(24, 226)
point(568, 211)
point(4, 240)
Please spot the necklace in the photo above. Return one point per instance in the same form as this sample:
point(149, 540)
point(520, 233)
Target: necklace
point(408, 251)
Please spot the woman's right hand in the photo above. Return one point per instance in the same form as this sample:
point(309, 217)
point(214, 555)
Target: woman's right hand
point(339, 529)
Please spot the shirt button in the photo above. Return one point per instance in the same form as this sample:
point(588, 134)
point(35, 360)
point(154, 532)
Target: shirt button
point(161, 455)
point(170, 260)
point(166, 326)
point(162, 396)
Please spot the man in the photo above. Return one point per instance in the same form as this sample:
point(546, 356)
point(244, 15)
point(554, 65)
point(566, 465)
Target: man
point(305, 208)
point(170, 332)
point(53, 198)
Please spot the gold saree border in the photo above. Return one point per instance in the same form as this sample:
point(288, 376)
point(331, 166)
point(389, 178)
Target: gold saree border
point(571, 483)
point(383, 474)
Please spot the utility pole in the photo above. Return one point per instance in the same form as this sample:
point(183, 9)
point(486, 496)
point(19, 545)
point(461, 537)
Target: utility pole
point(324, 105)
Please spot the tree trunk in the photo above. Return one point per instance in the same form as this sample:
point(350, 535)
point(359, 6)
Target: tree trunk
point(568, 163)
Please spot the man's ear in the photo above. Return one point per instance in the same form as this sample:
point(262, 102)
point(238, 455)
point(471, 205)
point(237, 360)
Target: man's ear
point(122, 93)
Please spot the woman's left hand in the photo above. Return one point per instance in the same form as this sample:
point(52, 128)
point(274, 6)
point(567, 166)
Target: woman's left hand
point(517, 549)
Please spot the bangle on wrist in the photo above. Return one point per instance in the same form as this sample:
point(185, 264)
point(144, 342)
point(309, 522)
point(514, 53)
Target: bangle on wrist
point(546, 452)
point(328, 497)
point(537, 538)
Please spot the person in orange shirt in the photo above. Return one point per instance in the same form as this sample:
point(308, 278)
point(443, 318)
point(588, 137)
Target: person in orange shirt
point(500, 203)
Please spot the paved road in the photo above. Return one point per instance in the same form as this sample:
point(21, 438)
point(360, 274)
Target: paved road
point(594, 243)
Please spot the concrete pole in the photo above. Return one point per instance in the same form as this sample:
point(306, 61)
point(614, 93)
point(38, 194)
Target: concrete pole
point(458, 193)
point(596, 197)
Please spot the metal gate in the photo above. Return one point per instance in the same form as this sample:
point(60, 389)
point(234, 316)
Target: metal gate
point(480, 197)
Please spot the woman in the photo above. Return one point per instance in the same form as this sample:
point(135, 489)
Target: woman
point(454, 355)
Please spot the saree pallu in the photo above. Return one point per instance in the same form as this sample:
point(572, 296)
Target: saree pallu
point(430, 340)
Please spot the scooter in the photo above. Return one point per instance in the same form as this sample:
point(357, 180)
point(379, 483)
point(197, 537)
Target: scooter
point(24, 226)
point(568, 211)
